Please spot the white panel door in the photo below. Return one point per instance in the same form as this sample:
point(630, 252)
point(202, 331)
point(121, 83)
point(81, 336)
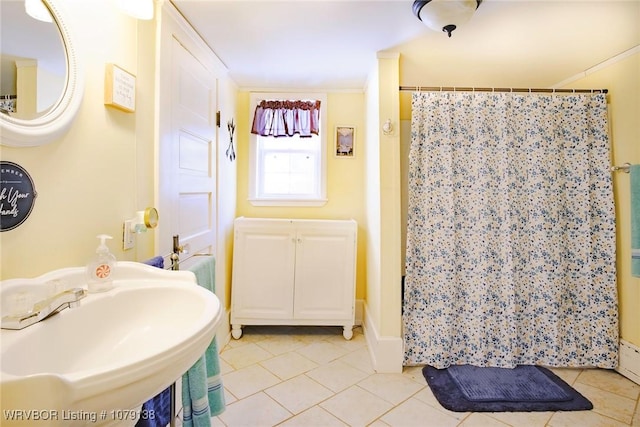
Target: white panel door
point(324, 273)
point(188, 178)
point(263, 273)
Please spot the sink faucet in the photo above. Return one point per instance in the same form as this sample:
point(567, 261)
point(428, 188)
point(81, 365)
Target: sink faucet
point(45, 308)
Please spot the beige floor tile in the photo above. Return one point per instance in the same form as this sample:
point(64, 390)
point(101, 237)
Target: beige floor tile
point(582, 419)
point(247, 381)
point(482, 420)
point(273, 373)
point(356, 342)
point(228, 397)
point(246, 355)
point(225, 367)
point(394, 388)
point(356, 406)
point(244, 340)
point(216, 422)
point(359, 359)
point(413, 412)
point(415, 373)
point(322, 352)
point(568, 375)
point(299, 393)
point(608, 404)
point(258, 410)
point(281, 344)
point(289, 365)
point(529, 419)
point(337, 375)
point(610, 380)
point(426, 396)
point(313, 417)
point(378, 423)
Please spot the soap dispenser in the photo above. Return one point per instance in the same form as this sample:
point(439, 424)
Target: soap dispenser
point(101, 267)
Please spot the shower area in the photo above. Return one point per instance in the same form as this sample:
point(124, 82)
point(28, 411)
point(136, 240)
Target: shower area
point(510, 230)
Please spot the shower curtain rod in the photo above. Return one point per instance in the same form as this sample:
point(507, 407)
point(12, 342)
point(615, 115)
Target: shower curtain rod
point(497, 89)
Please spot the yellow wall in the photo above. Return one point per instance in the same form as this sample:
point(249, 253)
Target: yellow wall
point(103, 170)
point(87, 181)
point(622, 78)
point(345, 177)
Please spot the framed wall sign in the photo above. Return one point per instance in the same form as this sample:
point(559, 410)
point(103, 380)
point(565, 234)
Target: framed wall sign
point(345, 141)
point(17, 195)
point(119, 88)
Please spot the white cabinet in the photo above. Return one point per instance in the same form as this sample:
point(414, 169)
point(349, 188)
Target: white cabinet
point(293, 272)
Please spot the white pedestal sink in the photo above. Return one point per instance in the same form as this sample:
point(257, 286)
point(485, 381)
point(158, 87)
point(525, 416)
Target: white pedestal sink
point(92, 364)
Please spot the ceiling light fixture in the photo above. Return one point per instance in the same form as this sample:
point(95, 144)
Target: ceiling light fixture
point(140, 9)
point(444, 15)
point(37, 10)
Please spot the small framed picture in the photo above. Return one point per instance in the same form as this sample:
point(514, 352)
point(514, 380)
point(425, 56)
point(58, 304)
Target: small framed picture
point(345, 141)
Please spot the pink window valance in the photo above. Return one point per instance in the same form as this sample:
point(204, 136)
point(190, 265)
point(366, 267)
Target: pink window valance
point(286, 118)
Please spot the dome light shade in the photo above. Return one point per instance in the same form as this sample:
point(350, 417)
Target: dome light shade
point(37, 10)
point(140, 9)
point(444, 15)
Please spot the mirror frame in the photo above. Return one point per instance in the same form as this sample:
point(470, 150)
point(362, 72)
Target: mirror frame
point(50, 126)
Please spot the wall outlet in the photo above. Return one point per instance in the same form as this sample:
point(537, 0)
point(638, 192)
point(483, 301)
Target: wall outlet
point(127, 235)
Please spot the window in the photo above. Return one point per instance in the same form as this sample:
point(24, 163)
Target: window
point(288, 171)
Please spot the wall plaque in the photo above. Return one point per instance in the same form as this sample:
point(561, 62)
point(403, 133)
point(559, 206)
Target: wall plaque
point(119, 89)
point(17, 195)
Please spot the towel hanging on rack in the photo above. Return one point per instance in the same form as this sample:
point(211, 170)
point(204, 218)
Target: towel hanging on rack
point(202, 390)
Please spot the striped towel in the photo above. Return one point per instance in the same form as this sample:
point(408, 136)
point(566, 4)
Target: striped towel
point(202, 390)
point(160, 405)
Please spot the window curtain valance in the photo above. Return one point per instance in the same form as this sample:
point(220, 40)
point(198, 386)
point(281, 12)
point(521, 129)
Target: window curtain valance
point(286, 118)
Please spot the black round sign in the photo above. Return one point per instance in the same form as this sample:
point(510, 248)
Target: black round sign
point(17, 195)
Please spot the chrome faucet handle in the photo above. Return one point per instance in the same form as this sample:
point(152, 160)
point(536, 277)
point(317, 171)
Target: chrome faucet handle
point(45, 308)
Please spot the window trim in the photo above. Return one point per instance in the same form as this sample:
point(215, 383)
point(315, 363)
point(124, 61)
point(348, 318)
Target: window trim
point(254, 99)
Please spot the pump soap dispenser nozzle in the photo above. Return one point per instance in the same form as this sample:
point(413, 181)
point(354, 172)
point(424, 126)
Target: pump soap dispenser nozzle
point(101, 267)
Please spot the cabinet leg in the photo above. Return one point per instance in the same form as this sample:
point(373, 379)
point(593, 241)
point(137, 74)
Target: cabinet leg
point(236, 331)
point(347, 332)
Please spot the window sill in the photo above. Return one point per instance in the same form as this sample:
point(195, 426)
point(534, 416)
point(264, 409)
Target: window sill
point(288, 202)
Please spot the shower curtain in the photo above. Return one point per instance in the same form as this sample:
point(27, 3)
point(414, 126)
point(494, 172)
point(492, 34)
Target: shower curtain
point(511, 231)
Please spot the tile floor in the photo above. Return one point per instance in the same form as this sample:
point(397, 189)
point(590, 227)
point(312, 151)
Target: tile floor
point(312, 376)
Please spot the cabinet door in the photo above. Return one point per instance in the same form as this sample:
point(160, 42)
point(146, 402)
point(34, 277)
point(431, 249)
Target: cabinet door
point(325, 274)
point(263, 273)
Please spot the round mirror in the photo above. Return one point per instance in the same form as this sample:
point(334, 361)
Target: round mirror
point(40, 87)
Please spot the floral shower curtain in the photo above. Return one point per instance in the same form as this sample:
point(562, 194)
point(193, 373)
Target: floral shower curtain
point(511, 231)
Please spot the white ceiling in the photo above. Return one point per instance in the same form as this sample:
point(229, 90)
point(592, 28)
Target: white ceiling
point(325, 44)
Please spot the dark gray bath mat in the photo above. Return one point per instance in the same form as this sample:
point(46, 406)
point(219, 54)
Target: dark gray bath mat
point(525, 388)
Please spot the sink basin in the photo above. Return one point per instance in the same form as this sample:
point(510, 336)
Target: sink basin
point(91, 364)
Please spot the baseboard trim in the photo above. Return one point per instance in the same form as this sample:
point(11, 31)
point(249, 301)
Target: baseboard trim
point(387, 352)
point(629, 363)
